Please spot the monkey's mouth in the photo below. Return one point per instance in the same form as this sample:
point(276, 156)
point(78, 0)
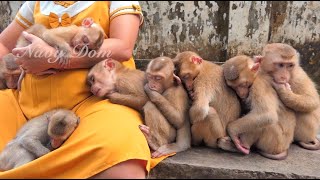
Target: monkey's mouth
point(55, 143)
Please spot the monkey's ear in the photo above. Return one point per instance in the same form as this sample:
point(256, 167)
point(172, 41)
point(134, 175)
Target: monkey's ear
point(177, 79)
point(196, 60)
point(255, 67)
point(87, 22)
point(109, 64)
point(257, 59)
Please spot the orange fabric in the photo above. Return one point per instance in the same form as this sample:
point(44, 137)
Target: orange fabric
point(107, 133)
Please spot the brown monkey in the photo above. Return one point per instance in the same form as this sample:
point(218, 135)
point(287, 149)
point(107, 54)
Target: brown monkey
point(214, 103)
point(38, 137)
point(122, 85)
point(167, 127)
point(269, 124)
point(296, 90)
point(90, 35)
point(9, 72)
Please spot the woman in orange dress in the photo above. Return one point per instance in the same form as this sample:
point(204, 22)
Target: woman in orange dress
point(107, 142)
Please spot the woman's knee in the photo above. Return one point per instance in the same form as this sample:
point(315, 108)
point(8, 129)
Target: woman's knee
point(130, 169)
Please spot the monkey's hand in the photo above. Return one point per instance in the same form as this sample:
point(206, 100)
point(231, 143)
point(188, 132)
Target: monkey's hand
point(153, 95)
point(198, 113)
point(64, 54)
point(282, 88)
point(234, 135)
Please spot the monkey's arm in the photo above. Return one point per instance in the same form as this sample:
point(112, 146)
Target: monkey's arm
point(250, 122)
point(170, 112)
point(34, 146)
point(129, 100)
point(58, 42)
point(200, 106)
point(298, 102)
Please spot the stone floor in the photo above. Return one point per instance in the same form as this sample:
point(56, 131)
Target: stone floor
point(201, 162)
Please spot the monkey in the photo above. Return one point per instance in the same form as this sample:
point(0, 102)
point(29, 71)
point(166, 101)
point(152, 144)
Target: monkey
point(214, 104)
point(296, 90)
point(38, 137)
point(90, 35)
point(167, 127)
point(9, 72)
point(269, 125)
point(120, 84)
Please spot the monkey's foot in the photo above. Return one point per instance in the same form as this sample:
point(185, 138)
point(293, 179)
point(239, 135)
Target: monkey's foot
point(226, 144)
point(162, 151)
point(146, 132)
point(313, 145)
point(280, 156)
point(240, 146)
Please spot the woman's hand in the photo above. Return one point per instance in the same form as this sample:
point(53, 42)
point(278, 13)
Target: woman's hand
point(36, 57)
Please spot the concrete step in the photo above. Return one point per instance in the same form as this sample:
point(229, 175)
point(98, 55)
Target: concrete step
point(202, 162)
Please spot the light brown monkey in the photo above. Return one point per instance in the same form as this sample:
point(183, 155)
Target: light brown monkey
point(296, 90)
point(269, 124)
point(122, 85)
point(214, 103)
point(89, 36)
point(38, 137)
point(167, 126)
point(9, 72)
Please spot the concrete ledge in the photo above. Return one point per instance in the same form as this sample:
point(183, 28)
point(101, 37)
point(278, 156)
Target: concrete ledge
point(201, 162)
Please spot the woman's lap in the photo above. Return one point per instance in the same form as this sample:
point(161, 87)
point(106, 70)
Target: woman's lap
point(107, 134)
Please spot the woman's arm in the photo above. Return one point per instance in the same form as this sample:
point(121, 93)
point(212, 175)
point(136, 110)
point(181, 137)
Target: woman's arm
point(123, 35)
point(8, 38)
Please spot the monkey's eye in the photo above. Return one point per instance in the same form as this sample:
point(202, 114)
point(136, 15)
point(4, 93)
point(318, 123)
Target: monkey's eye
point(85, 39)
point(291, 66)
point(186, 77)
point(91, 79)
point(281, 65)
point(157, 78)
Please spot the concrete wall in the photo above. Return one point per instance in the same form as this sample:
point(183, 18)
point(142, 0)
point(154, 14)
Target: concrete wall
point(218, 30)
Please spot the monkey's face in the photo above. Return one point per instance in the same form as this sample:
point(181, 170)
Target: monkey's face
point(12, 78)
point(156, 82)
point(242, 83)
point(88, 39)
point(187, 74)
point(61, 126)
point(102, 82)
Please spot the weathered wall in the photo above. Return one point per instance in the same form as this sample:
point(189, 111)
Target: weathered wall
point(218, 30)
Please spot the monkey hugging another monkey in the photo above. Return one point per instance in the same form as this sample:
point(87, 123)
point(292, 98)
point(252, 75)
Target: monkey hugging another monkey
point(90, 35)
point(38, 137)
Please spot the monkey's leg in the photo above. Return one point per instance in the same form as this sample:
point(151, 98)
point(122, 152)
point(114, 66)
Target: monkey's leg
point(306, 131)
point(34, 146)
point(226, 144)
point(150, 139)
point(216, 129)
point(183, 142)
point(197, 132)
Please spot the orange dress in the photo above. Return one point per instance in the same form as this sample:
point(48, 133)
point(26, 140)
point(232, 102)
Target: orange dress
point(107, 134)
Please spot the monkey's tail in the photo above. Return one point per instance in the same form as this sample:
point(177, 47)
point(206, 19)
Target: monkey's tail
point(280, 156)
point(310, 146)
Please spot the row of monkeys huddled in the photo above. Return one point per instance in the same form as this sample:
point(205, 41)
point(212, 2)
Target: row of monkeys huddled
point(267, 102)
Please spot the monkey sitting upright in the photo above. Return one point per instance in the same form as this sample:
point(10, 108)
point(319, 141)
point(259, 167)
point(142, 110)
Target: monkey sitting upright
point(269, 125)
point(166, 117)
point(90, 35)
point(38, 137)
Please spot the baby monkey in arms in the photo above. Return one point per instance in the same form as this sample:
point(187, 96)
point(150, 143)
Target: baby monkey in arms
point(90, 35)
point(38, 137)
